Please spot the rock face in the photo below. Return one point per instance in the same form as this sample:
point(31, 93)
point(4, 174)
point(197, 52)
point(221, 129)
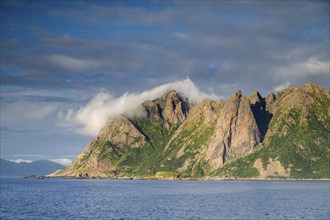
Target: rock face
point(235, 133)
point(243, 136)
point(171, 107)
point(121, 132)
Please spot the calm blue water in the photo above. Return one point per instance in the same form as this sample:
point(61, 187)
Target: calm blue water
point(151, 199)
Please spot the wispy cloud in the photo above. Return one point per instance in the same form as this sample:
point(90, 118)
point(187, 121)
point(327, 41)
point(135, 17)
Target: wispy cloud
point(21, 161)
point(63, 161)
point(282, 86)
point(313, 66)
point(103, 106)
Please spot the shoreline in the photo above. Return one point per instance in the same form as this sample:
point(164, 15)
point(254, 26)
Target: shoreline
point(187, 179)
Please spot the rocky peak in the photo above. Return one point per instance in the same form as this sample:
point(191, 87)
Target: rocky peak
point(171, 107)
point(176, 108)
point(311, 86)
point(236, 95)
point(255, 97)
point(152, 111)
point(232, 104)
point(301, 97)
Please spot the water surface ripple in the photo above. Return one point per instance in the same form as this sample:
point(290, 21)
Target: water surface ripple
point(153, 199)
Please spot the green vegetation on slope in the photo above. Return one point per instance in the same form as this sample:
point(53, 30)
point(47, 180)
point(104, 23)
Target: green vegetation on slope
point(299, 140)
point(153, 158)
point(239, 167)
point(140, 161)
point(186, 147)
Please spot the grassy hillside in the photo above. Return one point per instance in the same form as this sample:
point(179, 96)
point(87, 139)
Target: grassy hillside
point(298, 138)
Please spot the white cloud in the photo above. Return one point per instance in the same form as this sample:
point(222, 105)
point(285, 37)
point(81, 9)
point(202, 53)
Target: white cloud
point(315, 66)
point(21, 161)
point(282, 86)
point(63, 161)
point(311, 67)
point(92, 117)
point(28, 155)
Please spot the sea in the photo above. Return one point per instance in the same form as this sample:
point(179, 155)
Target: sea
point(163, 199)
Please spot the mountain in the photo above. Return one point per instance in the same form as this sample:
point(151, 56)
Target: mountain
point(38, 167)
point(284, 135)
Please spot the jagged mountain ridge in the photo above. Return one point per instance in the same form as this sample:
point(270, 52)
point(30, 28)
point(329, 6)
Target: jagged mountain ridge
point(238, 137)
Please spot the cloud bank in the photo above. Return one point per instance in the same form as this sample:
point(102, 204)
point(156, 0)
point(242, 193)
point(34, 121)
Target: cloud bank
point(92, 117)
point(21, 161)
point(62, 161)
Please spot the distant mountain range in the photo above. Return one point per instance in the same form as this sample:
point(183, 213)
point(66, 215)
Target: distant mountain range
point(284, 135)
point(38, 168)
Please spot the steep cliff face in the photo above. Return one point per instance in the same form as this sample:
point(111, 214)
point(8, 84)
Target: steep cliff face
point(235, 133)
point(282, 135)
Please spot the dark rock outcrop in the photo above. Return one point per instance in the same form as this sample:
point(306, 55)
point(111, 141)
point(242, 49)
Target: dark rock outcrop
point(260, 112)
point(171, 107)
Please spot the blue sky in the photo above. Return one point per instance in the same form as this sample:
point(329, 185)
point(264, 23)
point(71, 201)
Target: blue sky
point(59, 56)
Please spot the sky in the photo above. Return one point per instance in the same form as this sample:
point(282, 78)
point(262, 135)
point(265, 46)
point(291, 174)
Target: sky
point(67, 66)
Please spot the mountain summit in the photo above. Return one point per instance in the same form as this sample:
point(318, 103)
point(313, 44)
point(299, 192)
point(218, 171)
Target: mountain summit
point(284, 135)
